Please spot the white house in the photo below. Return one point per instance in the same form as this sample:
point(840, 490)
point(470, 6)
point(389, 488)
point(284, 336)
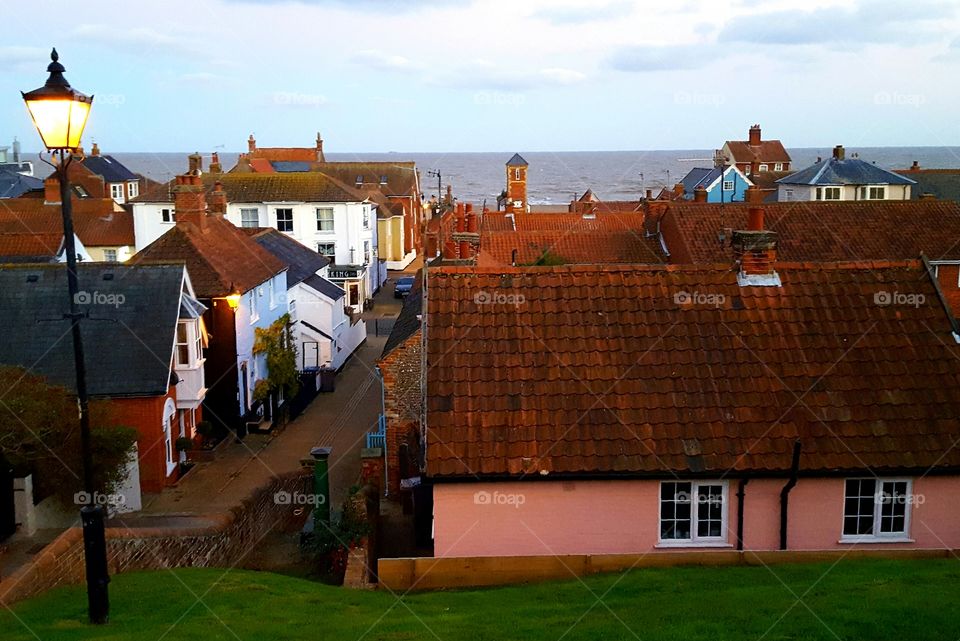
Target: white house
point(327, 333)
point(318, 211)
point(840, 178)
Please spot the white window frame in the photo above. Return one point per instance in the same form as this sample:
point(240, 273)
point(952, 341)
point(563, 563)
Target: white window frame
point(247, 211)
point(366, 217)
point(277, 215)
point(366, 252)
point(728, 185)
point(252, 302)
point(116, 192)
point(821, 193)
point(321, 222)
point(133, 189)
point(169, 411)
point(110, 255)
point(332, 254)
point(273, 294)
point(167, 215)
point(764, 167)
point(778, 166)
point(865, 192)
point(877, 536)
point(695, 540)
point(788, 194)
point(516, 174)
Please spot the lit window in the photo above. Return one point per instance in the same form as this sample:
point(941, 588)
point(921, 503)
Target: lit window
point(285, 220)
point(166, 215)
point(876, 508)
point(249, 217)
point(693, 513)
point(324, 218)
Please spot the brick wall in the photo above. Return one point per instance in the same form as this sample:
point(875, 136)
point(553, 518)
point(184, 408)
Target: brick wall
point(402, 402)
point(222, 544)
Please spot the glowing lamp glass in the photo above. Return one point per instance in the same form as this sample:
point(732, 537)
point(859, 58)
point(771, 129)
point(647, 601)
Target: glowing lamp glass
point(60, 121)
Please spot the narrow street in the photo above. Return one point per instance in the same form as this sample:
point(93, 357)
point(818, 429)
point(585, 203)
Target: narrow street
point(339, 419)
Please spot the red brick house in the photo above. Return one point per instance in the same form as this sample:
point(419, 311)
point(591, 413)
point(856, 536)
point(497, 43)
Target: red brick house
point(754, 154)
point(143, 343)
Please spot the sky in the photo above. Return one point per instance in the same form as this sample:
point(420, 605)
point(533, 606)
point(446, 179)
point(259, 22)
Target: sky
point(492, 75)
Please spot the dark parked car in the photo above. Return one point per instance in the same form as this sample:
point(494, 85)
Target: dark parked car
point(404, 285)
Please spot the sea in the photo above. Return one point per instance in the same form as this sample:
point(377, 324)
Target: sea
point(557, 177)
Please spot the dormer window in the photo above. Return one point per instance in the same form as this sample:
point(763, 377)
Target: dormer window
point(763, 167)
point(83, 193)
point(360, 179)
point(133, 189)
point(116, 192)
point(383, 180)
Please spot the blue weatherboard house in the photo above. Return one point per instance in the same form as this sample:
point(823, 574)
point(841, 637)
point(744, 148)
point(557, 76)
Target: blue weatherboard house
point(731, 188)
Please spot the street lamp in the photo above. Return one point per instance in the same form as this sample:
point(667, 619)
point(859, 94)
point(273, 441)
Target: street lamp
point(59, 113)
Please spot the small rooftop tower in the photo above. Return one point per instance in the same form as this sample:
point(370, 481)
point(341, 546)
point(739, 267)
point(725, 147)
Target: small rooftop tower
point(517, 184)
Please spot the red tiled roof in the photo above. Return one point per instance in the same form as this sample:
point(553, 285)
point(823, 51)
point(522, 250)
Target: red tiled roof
point(607, 371)
point(766, 152)
point(606, 237)
point(220, 258)
point(98, 222)
point(255, 187)
point(820, 231)
point(30, 244)
point(284, 154)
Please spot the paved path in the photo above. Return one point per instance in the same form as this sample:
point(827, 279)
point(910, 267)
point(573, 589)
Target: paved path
point(339, 420)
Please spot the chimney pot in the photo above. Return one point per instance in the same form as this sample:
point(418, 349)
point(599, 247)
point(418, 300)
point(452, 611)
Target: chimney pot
point(94, 151)
point(649, 194)
point(194, 164)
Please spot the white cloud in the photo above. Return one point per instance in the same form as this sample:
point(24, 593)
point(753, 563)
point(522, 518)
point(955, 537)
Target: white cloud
point(376, 59)
point(563, 76)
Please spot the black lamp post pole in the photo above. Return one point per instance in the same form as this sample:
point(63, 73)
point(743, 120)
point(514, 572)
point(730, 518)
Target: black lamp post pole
point(91, 514)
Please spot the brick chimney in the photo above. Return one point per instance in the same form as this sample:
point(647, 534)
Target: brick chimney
point(189, 201)
point(754, 136)
point(251, 144)
point(472, 226)
point(215, 166)
point(755, 248)
point(754, 167)
point(649, 194)
point(700, 194)
point(195, 164)
point(320, 157)
point(51, 190)
point(915, 166)
point(217, 200)
point(94, 151)
point(679, 190)
point(839, 153)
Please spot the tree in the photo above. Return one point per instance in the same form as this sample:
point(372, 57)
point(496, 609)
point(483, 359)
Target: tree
point(278, 344)
point(40, 433)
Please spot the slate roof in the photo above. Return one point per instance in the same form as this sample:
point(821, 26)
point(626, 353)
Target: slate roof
point(606, 237)
point(273, 187)
point(820, 231)
point(98, 222)
point(108, 167)
point(301, 261)
point(13, 184)
point(849, 171)
point(290, 165)
point(129, 346)
point(768, 151)
point(517, 161)
point(605, 371)
point(220, 258)
point(407, 323)
point(325, 287)
point(699, 177)
point(942, 183)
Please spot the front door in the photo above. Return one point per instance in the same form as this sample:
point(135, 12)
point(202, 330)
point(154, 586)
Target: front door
point(8, 517)
point(244, 389)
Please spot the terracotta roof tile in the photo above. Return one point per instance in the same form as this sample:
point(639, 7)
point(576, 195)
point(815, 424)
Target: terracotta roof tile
point(39, 245)
point(267, 187)
point(220, 258)
point(767, 151)
point(604, 370)
point(98, 222)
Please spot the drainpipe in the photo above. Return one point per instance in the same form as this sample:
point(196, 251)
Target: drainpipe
point(321, 486)
point(740, 494)
point(785, 494)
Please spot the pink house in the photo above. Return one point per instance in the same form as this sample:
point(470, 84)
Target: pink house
point(634, 409)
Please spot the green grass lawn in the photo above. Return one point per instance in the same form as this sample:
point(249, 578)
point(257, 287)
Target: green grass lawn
point(871, 600)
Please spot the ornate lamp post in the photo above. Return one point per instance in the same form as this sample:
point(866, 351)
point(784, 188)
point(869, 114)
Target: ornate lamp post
point(59, 113)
